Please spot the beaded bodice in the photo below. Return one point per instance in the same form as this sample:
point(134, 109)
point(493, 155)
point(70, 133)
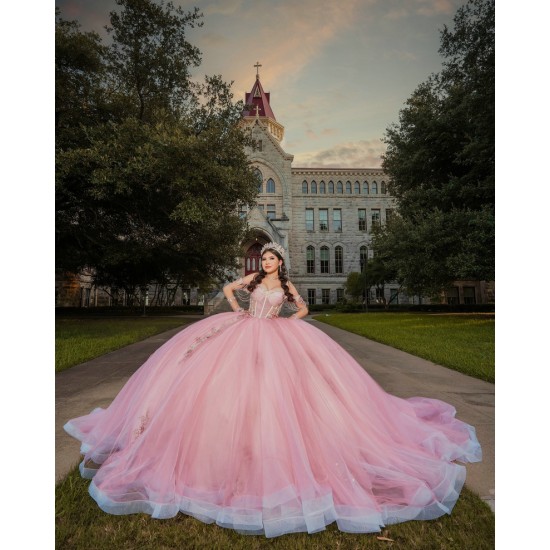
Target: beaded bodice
point(266, 303)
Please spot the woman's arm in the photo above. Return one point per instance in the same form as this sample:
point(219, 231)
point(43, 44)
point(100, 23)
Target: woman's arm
point(229, 288)
point(299, 301)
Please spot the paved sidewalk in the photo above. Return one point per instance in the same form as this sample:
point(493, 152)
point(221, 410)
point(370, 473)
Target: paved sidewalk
point(96, 382)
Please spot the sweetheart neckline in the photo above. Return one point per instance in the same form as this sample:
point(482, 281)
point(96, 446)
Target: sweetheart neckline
point(272, 290)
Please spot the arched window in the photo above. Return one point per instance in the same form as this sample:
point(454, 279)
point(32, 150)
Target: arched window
point(304, 187)
point(310, 259)
point(331, 188)
point(338, 259)
point(363, 257)
point(325, 261)
point(383, 188)
point(348, 187)
point(374, 188)
point(270, 187)
point(357, 188)
point(339, 188)
point(366, 187)
point(260, 179)
point(313, 187)
point(322, 188)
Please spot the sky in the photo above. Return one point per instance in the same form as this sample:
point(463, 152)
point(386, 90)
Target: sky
point(338, 71)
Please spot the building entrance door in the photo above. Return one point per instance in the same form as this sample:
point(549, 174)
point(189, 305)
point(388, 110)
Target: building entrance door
point(252, 260)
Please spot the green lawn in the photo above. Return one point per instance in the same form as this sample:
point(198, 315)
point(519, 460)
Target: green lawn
point(79, 340)
point(462, 342)
point(81, 525)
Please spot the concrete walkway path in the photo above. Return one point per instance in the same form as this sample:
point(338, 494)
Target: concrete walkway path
point(95, 383)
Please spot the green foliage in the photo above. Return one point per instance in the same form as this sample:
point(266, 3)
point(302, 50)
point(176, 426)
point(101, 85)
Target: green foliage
point(150, 59)
point(79, 340)
point(355, 285)
point(440, 158)
point(465, 343)
point(149, 206)
point(148, 188)
point(70, 312)
point(79, 71)
point(377, 272)
point(430, 252)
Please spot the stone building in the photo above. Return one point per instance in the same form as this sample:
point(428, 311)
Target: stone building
point(323, 217)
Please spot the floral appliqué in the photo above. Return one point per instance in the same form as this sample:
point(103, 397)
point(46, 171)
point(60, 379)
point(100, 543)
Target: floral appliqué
point(143, 421)
point(211, 333)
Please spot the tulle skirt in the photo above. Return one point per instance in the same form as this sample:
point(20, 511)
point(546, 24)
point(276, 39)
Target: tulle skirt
point(268, 426)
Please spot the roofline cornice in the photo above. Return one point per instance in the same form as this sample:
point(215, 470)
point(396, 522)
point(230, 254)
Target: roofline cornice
point(339, 171)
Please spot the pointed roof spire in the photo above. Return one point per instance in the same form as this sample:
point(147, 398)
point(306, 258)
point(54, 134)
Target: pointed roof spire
point(258, 111)
point(258, 100)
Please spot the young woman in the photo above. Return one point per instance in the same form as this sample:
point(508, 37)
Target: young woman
point(264, 424)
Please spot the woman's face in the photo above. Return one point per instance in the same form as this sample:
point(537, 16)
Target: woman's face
point(270, 262)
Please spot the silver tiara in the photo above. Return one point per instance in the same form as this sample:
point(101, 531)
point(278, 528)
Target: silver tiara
point(273, 246)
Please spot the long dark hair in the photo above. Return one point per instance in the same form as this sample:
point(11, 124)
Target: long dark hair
point(283, 276)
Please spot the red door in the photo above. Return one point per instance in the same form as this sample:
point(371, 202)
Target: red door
point(252, 259)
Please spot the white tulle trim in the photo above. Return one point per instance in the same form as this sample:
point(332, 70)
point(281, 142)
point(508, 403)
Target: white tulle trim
point(73, 431)
point(284, 512)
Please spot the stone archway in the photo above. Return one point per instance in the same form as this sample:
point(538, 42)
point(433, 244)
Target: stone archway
point(252, 259)
point(252, 248)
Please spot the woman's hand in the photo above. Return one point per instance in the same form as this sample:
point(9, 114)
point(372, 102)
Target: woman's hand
point(230, 287)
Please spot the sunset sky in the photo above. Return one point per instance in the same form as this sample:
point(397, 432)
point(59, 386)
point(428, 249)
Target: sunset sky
point(338, 71)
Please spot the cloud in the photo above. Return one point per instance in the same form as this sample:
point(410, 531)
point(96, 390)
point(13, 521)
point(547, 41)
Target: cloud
point(324, 132)
point(434, 7)
point(213, 39)
point(286, 35)
point(400, 54)
point(422, 7)
point(312, 134)
point(351, 154)
point(225, 7)
point(397, 13)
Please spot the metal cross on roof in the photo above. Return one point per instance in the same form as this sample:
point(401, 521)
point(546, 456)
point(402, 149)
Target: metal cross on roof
point(257, 69)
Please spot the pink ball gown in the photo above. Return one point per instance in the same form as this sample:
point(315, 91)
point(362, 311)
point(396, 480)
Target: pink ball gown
point(266, 425)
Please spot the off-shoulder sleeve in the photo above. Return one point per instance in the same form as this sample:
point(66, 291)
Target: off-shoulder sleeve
point(239, 287)
point(241, 283)
point(299, 302)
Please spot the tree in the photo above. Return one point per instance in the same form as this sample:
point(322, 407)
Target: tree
point(79, 71)
point(440, 159)
point(377, 273)
point(150, 59)
point(355, 285)
point(443, 245)
point(152, 192)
